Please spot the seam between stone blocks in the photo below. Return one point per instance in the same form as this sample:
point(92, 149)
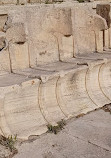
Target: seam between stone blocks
point(88, 141)
point(10, 58)
point(100, 84)
point(56, 91)
point(40, 103)
point(87, 88)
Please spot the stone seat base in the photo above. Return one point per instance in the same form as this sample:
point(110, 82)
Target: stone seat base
point(49, 71)
point(12, 79)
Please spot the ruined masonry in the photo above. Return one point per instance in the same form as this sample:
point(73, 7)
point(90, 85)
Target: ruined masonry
point(55, 63)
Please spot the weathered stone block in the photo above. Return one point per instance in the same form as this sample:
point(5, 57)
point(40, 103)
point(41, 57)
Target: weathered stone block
point(103, 10)
point(16, 33)
point(4, 62)
point(85, 31)
point(3, 19)
point(24, 110)
point(4, 55)
point(19, 56)
point(99, 42)
point(110, 38)
point(43, 43)
point(66, 48)
point(106, 39)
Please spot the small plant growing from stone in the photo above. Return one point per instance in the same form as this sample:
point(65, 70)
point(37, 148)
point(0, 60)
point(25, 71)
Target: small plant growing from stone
point(107, 108)
point(9, 142)
point(56, 129)
point(47, 2)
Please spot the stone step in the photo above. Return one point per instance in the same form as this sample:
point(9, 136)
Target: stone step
point(34, 98)
point(19, 106)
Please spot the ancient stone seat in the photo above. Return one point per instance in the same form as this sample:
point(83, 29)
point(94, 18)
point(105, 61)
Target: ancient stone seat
point(52, 65)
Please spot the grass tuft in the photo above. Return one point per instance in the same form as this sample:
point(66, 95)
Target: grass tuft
point(56, 129)
point(9, 142)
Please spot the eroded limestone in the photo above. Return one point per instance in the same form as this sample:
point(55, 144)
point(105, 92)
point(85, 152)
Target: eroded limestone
point(52, 64)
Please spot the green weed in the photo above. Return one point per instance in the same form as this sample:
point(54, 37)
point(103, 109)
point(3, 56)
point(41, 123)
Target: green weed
point(56, 129)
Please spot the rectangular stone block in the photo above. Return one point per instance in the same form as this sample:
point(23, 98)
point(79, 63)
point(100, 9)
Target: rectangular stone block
point(16, 33)
point(106, 39)
point(103, 10)
point(19, 56)
point(84, 41)
point(46, 26)
point(84, 36)
point(43, 45)
point(66, 48)
point(4, 62)
point(110, 37)
point(99, 41)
